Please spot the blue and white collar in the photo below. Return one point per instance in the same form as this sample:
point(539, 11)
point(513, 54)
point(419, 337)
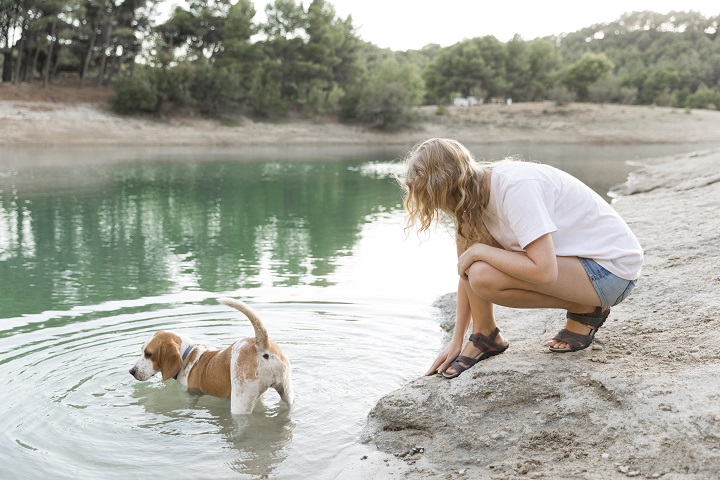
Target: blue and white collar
point(185, 354)
point(187, 351)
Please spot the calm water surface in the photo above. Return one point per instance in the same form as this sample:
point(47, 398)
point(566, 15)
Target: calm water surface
point(101, 248)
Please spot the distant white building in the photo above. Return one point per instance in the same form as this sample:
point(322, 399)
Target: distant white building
point(467, 102)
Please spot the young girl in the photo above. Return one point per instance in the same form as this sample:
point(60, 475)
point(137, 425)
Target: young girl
point(528, 236)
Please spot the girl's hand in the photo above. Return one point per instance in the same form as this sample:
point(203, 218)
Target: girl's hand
point(445, 358)
point(468, 257)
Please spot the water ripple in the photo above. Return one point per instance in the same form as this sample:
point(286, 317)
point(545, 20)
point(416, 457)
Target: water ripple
point(73, 410)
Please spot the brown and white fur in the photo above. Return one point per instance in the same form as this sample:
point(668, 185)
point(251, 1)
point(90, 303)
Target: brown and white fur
point(241, 372)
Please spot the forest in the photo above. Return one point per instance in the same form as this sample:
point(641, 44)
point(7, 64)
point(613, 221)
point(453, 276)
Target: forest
point(213, 57)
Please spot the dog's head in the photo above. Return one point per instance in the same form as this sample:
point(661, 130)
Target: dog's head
point(159, 354)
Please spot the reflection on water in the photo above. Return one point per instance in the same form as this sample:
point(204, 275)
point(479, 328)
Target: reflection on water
point(81, 234)
point(261, 438)
point(149, 229)
point(95, 256)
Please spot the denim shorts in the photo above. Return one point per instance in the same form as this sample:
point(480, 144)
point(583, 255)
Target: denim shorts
point(610, 288)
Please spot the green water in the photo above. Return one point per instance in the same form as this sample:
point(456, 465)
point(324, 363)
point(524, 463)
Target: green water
point(135, 230)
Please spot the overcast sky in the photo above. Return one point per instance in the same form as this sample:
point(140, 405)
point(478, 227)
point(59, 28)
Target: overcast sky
point(412, 24)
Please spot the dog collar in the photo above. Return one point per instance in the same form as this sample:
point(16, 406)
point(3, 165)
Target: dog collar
point(184, 356)
point(187, 352)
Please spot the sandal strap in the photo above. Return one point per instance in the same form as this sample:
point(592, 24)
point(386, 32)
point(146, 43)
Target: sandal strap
point(469, 361)
point(594, 319)
point(487, 343)
point(459, 367)
point(573, 339)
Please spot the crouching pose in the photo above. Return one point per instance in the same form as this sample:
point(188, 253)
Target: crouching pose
point(528, 236)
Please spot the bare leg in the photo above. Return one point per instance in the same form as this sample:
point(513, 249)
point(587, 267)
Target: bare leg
point(572, 291)
point(483, 321)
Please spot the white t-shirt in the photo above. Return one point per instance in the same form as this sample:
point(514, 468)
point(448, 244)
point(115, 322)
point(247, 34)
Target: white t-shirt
point(528, 200)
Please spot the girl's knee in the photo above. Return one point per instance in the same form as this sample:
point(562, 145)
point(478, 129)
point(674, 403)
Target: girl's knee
point(483, 279)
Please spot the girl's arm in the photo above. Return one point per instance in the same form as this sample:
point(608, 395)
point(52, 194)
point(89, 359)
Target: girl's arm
point(454, 347)
point(463, 317)
point(538, 264)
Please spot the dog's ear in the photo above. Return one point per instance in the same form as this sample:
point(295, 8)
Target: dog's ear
point(170, 360)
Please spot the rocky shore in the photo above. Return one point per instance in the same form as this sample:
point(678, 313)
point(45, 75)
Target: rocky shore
point(644, 402)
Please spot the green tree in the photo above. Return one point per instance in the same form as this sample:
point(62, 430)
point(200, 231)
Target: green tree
point(458, 69)
point(704, 97)
point(544, 62)
point(473, 67)
point(195, 33)
point(284, 30)
point(587, 70)
point(175, 34)
point(329, 58)
point(530, 66)
point(659, 80)
point(237, 34)
point(390, 94)
point(240, 57)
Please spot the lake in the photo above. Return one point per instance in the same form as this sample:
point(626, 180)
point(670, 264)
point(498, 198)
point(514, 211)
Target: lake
point(101, 247)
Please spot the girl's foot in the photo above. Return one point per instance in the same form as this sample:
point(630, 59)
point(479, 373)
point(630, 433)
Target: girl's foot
point(570, 326)
point(493, 344)
point(580, 329)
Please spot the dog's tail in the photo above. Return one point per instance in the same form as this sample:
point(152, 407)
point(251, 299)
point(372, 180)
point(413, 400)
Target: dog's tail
point(260, 333)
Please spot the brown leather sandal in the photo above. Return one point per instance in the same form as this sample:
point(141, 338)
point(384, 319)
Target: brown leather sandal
point(488, 348)
point(578, 341)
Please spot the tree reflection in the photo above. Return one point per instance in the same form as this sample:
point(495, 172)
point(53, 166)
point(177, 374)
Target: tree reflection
point(87, 235)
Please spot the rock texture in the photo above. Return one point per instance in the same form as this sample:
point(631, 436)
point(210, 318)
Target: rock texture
point(643, 402)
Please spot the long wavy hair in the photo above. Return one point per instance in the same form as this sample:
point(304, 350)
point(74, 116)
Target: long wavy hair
point(443, 177)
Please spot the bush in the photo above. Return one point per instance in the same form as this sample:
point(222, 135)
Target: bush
point(610, 90)
point(135, 95)
point(265, 97)
point(561, 95)
point(385, 106)
point(153, 90)
point(173, 85)
point(215, 90)
point(664, 99)
point(704, 97)
point(389, 95)
point(210, 90)
point(323, 99)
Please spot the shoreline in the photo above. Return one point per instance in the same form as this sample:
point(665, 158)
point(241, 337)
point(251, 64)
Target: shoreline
point(63, 116)
point(640, 403)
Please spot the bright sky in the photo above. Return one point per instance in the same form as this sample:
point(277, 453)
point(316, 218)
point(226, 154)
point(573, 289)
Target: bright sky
point(412, 24)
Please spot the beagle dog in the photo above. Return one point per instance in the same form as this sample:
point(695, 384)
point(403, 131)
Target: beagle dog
point(242, 372)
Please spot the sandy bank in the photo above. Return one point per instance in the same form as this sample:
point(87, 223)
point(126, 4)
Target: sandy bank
point(30, 115)
point(642, 403)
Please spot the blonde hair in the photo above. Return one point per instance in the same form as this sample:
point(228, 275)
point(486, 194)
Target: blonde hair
point(442, 176)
